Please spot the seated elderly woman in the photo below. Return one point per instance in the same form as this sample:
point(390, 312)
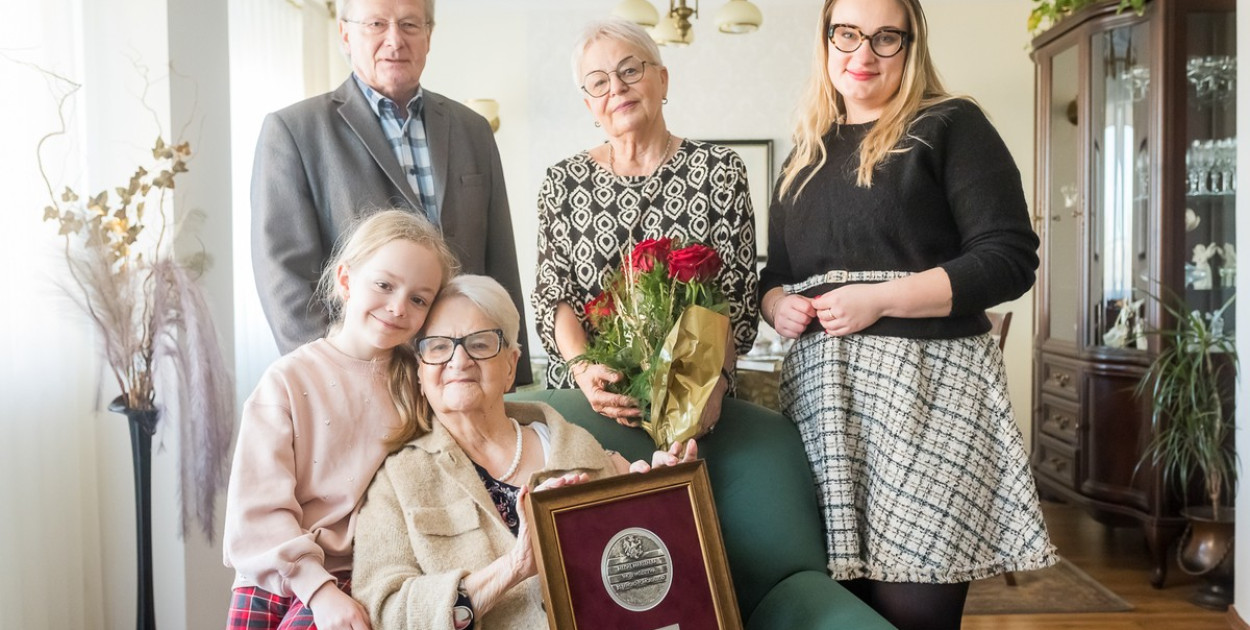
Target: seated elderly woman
point(440, 540)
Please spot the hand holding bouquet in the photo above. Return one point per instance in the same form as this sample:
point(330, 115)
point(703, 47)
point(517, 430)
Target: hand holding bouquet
point(661, 323)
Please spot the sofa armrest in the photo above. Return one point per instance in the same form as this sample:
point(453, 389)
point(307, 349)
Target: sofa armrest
point(812, 601)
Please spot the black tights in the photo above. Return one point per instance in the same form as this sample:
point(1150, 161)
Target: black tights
point(912, 606)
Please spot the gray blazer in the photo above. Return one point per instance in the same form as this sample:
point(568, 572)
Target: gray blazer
point(323, 161)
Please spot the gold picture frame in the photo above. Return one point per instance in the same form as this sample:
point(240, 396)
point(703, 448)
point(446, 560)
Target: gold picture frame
point(634, 551)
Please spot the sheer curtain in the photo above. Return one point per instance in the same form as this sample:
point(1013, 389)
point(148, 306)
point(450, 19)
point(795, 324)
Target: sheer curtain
point(266, 74)
point(49, 541)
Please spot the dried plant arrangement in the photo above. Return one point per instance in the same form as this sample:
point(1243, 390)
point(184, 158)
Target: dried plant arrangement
point(149, 313)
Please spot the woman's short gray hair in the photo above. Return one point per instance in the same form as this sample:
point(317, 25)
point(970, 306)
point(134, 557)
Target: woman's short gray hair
point(345, 6)
point(489, 297)
point(617, 29)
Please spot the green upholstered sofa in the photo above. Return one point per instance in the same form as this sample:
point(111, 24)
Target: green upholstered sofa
point(766, 502)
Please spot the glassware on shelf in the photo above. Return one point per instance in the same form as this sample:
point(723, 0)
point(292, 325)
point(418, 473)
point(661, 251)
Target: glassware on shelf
point(1213, 77)
point(1211, 167)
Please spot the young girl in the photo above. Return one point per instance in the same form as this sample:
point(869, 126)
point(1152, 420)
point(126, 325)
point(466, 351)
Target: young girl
point(320, 423)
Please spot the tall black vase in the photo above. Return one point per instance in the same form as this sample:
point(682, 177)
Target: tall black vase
point(142, 426)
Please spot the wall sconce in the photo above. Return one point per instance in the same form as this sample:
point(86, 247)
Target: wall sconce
point(487, 108)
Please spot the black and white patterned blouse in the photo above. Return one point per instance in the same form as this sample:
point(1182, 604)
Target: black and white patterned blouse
point(589, 218)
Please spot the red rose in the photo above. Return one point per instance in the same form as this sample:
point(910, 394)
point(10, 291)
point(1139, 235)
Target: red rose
point(693, 262)
point(600, 308)
point(649, 252)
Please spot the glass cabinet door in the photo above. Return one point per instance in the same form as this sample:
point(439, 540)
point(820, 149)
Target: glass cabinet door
point(1211, 165)
point(1121, 158)
point(1061, 217)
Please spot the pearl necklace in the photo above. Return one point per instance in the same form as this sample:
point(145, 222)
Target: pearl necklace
point(516, 459)
point(612, 158)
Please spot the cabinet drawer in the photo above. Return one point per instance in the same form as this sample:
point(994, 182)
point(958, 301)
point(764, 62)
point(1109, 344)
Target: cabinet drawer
point(1060, 378)
point(1060, 419)
point(1056, 461)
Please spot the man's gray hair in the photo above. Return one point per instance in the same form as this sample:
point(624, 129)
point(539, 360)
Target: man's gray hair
point(617, 29)
point(345, 6)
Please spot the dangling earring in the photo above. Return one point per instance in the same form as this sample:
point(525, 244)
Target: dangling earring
point(664, 101)
point(596, 123)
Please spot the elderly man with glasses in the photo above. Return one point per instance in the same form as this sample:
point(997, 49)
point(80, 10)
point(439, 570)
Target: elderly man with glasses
point(379, 140)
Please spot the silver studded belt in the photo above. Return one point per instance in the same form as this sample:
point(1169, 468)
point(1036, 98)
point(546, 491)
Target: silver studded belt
point(842, 276)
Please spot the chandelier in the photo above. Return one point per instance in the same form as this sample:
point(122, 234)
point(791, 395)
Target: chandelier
point(675, 28)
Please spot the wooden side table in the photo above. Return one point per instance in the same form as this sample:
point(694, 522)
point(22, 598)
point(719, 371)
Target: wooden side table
point(758, 381)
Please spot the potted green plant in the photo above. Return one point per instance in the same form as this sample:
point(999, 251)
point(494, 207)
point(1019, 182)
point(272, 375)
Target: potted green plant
point(1051, 11)
point(1189, 385)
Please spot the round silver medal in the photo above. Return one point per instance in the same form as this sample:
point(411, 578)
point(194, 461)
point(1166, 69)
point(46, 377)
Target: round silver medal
point(637, 569)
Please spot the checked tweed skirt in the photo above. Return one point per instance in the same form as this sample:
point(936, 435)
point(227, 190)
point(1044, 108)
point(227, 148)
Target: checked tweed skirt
point(920, 466)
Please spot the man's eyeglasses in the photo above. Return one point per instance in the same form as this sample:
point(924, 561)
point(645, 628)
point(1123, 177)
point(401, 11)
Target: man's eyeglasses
point(884, 43)
point(599, 83)
point(480, 345)
point(410, 28)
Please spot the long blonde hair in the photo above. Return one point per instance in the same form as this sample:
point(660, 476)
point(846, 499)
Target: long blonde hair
point(821, 106)
point(369, 234)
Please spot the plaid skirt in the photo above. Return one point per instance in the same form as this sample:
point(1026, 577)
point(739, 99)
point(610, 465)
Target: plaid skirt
point(920, 466)
point(252, 608)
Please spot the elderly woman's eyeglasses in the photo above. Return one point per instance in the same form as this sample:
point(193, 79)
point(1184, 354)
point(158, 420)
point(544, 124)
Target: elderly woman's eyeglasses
point(599, 83)
point(480, 345)
point(884, 43)
point(375, 28)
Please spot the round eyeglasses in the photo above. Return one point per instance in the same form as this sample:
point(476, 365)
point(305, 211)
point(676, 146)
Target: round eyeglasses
point(480, 345)
point(599, 83)
point(884, 43)
point(376, 28)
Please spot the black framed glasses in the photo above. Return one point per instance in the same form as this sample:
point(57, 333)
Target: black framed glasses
point(599, 83)
point(886, 42)
point(377, 27)
point(480, 345)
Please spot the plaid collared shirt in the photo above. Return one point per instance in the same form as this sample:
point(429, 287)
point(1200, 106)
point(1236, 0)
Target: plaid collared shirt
point(407, 137)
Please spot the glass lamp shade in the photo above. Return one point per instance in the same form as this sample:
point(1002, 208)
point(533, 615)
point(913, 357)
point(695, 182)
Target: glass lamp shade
point(639, 12)
point(666, 33)
point(487, 108)
point(738, 16)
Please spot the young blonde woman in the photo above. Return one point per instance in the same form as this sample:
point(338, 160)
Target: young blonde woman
point(899, 218)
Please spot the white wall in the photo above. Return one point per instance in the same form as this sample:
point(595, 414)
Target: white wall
point(721, 87)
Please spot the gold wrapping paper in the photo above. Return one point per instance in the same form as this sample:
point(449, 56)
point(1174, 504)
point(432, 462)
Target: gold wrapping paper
point(689, 367)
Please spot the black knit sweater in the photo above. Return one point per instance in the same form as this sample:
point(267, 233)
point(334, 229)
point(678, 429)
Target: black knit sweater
point(954, 200)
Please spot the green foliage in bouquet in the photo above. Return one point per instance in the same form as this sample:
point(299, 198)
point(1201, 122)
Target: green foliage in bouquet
point(640, 304)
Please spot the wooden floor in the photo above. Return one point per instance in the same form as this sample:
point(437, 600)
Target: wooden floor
point(1119, 560)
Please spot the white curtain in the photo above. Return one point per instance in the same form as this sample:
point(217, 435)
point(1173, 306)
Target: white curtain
point(266, 74)
point(49, 541)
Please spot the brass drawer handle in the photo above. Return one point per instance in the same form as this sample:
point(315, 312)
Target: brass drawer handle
point(1058, 464)
point(1062, 379)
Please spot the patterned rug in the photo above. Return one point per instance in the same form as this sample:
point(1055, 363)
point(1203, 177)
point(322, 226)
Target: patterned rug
point(1062, 588)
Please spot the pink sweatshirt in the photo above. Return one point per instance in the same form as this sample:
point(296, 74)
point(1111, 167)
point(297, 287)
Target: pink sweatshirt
point(311, 437)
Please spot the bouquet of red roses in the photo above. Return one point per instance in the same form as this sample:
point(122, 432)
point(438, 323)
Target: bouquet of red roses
point(661, 322)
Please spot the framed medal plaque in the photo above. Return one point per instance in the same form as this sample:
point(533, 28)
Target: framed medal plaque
point(635, 551)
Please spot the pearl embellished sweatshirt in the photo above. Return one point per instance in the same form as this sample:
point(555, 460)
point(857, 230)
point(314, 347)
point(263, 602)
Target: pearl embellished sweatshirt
point(311, 437)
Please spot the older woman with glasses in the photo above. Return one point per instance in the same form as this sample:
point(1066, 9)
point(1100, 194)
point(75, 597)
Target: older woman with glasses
point(899, 218)
point(441, 539)
point(643, 182)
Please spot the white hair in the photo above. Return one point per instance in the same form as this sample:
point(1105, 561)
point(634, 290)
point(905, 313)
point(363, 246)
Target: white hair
point(491, 298)
point(345, 6)
point(617, 29)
